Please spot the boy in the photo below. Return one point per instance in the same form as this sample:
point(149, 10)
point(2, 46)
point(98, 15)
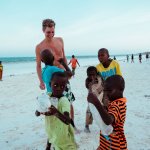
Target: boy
point(93, 82)
point(57, 121)
point(107, 66)
point(74, 63)
point(115, 115)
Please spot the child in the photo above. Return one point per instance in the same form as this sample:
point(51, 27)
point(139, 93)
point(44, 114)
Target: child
point(94, 84)
point(47, 58)
point(1, 71)
point(107, 66)
point(115, 115)
point(74, 63)
point(57, 121)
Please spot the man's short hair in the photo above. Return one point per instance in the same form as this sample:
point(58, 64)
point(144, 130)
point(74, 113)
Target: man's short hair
point(48, 23)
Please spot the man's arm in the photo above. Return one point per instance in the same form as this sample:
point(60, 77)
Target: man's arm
point(38, 67)
point(64, 56)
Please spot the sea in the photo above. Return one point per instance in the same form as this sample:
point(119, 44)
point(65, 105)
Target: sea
point(24, 65)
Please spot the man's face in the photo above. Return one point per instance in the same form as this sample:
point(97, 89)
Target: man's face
point(49, 32)
point(103, 56)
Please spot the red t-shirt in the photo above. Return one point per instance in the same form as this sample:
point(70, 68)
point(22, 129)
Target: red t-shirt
point(73, 62)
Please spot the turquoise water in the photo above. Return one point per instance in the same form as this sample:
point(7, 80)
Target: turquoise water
point(21, 65)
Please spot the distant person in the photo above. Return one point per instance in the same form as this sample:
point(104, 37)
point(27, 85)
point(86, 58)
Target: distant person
point(147, 56)
point(127, 58)
point(107, 66)
point(132, 58)
point(115, 115)
point(140, 58)
point(57, 121)
point(53, 44)
point(73, 63)
point(114, 58)
point(1, 71)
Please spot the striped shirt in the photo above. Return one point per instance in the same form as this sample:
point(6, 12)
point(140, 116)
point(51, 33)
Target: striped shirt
point(116, 140)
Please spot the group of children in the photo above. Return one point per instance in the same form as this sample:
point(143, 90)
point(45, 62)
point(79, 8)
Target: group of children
point(105, 85)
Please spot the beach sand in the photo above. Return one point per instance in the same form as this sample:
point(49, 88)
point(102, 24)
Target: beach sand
point(21, 129)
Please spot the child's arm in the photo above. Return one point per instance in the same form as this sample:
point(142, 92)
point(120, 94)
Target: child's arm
point(78, 63)
point(63, 117)
point(107, 118)
point(69, 62)
point(88, 83)
point(68, 71)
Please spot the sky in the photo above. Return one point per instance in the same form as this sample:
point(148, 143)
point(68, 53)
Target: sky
point(121, 26)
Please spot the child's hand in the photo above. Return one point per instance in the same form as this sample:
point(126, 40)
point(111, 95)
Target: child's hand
point(61, 61)
point(92, 98)
point(37, 113)
point(53, 110)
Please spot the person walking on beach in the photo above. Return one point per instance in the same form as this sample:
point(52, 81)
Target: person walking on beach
point(132, 58)
point(1, 70)
point(147, 56)
point(73, 63)
point(140, 58)
point(57, 119)
point(115, 115)
point(54, 44)
point(127, 58)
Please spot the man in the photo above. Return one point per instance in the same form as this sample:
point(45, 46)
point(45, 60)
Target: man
point(54, 44)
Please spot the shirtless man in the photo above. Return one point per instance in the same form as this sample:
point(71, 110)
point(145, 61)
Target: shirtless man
point(52, 43)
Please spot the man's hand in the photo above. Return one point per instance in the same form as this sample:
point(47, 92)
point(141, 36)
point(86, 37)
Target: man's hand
point(42, 86)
